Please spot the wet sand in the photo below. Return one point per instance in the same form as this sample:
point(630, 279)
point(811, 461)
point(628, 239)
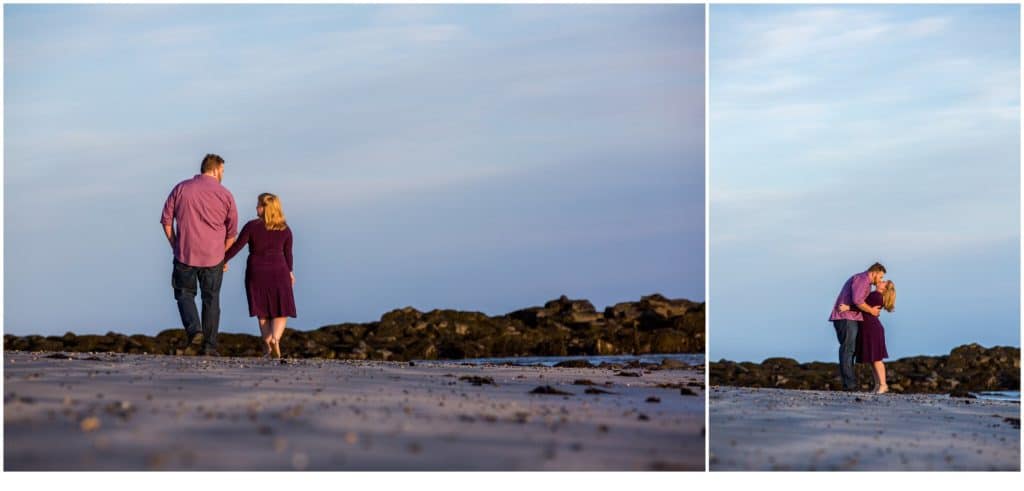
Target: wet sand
point(138, 412)
point(776, 429)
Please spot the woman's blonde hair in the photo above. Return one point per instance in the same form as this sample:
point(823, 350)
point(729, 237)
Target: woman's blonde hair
point(273, 217)
point(889, 296)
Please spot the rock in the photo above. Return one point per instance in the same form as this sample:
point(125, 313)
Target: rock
point(547, 389)
point(476, 380)
point(573, 364)
point(562, 327)
point(961, 393)
point(584, 317)
point(968, 368)
point(595, 390)
point(780, 363)
point(653, 400)
point(673, 364)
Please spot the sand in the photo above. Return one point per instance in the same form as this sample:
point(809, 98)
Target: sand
point(138, 412)
point(776, 429)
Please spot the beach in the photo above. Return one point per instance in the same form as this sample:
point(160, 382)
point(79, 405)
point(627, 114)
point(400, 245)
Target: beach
point(85, 411)
point(781, 429)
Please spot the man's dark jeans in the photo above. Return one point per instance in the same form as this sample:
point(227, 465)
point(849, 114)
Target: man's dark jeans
point(846, 331)
point(184, 280)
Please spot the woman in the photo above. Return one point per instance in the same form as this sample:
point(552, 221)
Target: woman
point(871, 335)
point(268, 271)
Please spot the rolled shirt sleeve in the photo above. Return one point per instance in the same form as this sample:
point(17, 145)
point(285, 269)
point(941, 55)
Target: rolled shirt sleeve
point(861, 288)
point(167, 217)
point(231, 223)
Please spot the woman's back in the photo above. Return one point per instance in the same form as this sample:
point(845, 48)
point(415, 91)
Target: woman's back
point(265, 242)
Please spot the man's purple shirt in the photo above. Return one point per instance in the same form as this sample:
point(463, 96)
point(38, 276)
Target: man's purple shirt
point(207, 217)
point(854, 292)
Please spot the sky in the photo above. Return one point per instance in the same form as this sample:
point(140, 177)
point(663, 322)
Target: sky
point(482, 158)
point(841, 136)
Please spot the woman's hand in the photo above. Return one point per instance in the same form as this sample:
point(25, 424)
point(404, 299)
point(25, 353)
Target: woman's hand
point(843, 307)
point(293, 278)
point(225, 267)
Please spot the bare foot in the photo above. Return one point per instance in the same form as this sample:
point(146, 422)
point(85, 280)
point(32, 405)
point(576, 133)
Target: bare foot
point(882, 389)
point(277, 349)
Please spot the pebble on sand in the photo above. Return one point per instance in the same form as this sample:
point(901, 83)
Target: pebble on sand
point(300, 461)
point(90, 424)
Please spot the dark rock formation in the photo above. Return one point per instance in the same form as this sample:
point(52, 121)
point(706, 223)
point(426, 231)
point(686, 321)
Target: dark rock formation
point(562, 327)
point(968, 368)
point(547, 389)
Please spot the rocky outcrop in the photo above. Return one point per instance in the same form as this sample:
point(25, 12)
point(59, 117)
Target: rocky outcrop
point(968, 368)
point(561, 327)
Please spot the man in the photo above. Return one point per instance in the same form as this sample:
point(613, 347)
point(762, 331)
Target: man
point(207, 221)
point(847, 323)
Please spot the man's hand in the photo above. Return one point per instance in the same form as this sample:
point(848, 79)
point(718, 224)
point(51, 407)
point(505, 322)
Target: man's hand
point(169, 232)
point(293, 278)
point(869, 309)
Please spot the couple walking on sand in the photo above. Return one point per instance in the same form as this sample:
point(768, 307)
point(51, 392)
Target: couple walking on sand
point(205, 240)
point(861, 335)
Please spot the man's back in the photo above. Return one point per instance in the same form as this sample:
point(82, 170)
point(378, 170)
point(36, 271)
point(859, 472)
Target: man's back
point(206, 215)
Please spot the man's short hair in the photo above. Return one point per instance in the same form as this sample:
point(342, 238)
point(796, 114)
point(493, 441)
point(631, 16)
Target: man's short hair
point(876, 268)
point(210, 162)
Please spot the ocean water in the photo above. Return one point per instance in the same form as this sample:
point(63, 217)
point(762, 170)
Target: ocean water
point(693, 359)
point(1002, 395)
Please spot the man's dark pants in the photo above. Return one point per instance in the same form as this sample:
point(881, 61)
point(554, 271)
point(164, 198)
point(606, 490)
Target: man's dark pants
point(846, 331)
point(184, 280)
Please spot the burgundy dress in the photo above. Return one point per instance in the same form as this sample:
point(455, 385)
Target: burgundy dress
point(871, 335)
point(268, 282)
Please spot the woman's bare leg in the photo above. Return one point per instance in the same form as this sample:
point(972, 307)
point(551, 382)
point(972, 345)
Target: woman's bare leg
point(879, 372)
point(266, 334)
point(277, 327)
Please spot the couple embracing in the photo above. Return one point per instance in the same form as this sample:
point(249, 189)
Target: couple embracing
point(860, 332)
point(207, 237)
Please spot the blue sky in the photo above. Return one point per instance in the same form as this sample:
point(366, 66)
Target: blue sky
point(842, 135)
point(473, 157)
